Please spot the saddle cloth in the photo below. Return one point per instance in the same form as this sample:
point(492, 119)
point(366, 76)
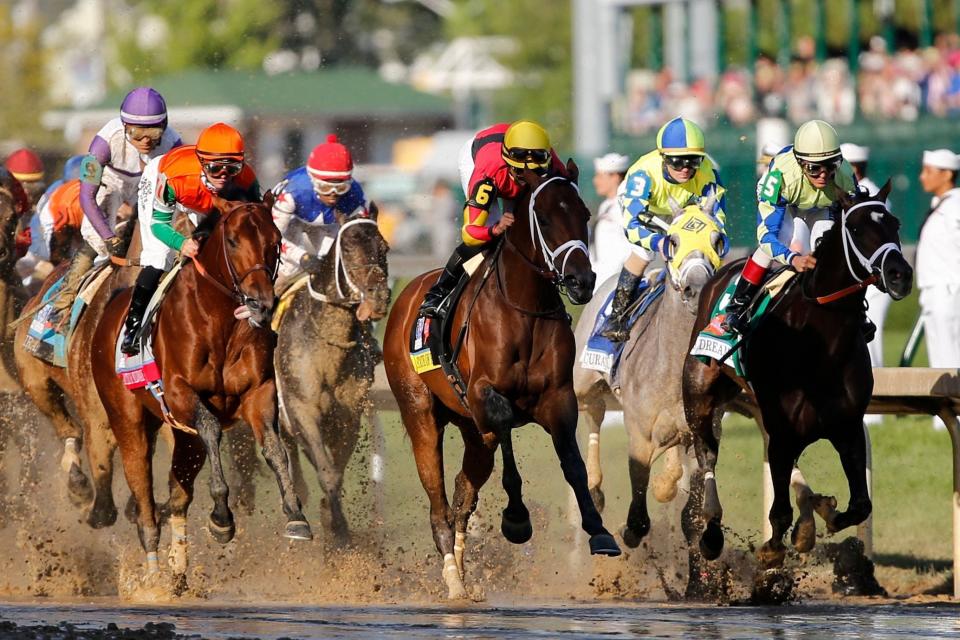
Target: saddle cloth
point(43, 339)
point(715, 343)
point(603, 355)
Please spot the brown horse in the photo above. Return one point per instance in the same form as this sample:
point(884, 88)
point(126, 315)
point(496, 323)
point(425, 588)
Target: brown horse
point(517, 362)
point(809, 370)
point(325, 355)
point(217, 369)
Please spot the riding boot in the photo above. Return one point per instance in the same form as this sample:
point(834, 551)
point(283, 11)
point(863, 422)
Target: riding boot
point(147, 283)
point(616, 328)
point(736, 319)
point(448, 279)
point(81, 263)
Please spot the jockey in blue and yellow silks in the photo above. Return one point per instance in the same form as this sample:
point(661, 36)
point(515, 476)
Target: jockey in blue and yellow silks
point(679, 171)
point(806, 175)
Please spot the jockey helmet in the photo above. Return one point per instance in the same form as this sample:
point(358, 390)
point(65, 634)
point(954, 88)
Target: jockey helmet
point(144, 107)
point(71, 168)
point(330, 161)
point(681, 137)
point(220, 141)
point(526, 145)
point(816, 142)
point(25, 165)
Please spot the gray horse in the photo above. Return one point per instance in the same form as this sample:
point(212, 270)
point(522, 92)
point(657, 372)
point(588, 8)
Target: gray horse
point(325, 356)
point(650, 373)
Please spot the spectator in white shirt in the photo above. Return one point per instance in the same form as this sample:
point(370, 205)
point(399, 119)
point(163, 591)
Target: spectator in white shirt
point(609, 247)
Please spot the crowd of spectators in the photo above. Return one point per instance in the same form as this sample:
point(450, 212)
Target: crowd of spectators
point(898, 86)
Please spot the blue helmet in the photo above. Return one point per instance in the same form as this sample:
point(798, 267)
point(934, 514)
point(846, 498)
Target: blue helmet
point(71, 168)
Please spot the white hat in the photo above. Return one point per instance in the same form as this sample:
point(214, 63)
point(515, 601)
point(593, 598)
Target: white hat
point(942, 159)
point(854, 153)
point(611, 163)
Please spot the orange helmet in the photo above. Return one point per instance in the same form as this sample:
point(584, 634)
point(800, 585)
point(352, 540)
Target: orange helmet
point(220, 142)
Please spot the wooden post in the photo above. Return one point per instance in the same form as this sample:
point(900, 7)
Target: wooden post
point(949, 417)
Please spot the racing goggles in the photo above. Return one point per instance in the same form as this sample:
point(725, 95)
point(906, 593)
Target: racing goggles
point(527, 158)
point(326, 188)
point(222, 168)
point(683, 162)
point(143, 134)
point(814, 169)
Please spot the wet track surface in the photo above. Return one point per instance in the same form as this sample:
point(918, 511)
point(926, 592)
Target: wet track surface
point(487, 620)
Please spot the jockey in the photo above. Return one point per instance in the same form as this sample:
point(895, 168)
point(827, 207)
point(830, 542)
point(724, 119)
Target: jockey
point(185, 178)
point(806, 175)
point(677, 170)
point(109, 176)
point(307, 202)
point(491, 166)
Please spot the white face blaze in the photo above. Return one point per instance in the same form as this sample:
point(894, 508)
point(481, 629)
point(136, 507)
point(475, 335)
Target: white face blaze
point(877, 216)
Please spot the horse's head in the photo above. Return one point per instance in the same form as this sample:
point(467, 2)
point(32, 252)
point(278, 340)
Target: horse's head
point(871, 242)
point(556, 222)
point(249, 255)
point(696, 245)
point(362, 275)
point(13, 204)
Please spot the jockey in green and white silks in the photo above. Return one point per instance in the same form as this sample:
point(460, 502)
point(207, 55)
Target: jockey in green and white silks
point(806, 176)
point(678, 171)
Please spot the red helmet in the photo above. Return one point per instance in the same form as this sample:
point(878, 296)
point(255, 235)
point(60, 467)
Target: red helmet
point(25, 165)
point(330, 161)
point(220, 142)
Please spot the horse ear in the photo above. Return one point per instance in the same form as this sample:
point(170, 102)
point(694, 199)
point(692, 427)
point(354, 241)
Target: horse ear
point(707, 205)
point(268, 199)
point(573, 171)
point(221, 204)
point(675, 207)
point(373, 210)
point(884, 192)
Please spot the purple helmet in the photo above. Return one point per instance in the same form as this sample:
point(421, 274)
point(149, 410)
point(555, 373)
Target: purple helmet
point(144, 107)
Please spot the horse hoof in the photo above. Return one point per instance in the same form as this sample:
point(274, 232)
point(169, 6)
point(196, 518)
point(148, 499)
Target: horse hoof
point(603, 544)
point(711, 542)
point(79, 490)
point(179, 584)
point(599, 500)
point(804, 534)
point(100, 518)
point(771, 557)
point(298, 530)
point(222, 534)
point(630, 537)
point(516, 532)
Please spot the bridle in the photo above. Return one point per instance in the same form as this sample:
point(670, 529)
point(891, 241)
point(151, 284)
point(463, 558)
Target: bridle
point(236, 293)
point(354, 295)
point(550, 256)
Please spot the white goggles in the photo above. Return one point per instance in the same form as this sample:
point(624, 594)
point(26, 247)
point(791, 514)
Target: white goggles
point(326, 188)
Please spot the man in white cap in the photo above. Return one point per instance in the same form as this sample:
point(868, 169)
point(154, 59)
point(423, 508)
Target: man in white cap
point(938, 259)
point(878, 302)
point(610, 246)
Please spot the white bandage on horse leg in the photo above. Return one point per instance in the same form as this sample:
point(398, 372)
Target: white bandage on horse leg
point(178, 544)
point(153, 564)
point(71, 455)
point(459, 546)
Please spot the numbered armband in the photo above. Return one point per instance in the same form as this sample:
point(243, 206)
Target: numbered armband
point(768, 190)
point(483, 194)
point(91, 171)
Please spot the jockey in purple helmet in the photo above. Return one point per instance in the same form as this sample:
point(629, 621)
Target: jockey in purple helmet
point(109, 177)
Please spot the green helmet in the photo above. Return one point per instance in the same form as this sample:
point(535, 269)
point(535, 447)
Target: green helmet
point(816, 141)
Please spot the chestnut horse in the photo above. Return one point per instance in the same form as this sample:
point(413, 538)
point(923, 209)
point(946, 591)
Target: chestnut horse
point(517, 362)
point(216, 369)
point(809, 369)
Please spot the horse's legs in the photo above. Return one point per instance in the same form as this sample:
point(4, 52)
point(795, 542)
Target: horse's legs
point(478, 460)
point(593, 408)
point(782, 456)
point(557, 412)
point(244, 465)
point(852, 451)
point(101, 444)
point(136, 452)
point(221, 524)
point(296, 468)
point(259, 409)
point(186, 462)
point(639, 456)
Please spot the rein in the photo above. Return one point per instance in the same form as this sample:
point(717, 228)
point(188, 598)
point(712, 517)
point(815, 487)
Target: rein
point(557, 312)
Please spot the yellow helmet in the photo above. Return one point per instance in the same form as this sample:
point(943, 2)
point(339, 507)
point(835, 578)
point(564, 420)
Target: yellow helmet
point(526, 145)
point(816, 141)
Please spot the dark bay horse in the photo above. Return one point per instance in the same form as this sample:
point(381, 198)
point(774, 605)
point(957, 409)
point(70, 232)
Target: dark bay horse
point(517, 362)
point(325, 355)
point(216, 368)
point(809, 368)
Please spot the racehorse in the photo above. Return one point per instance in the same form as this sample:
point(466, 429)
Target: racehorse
point(325, 354)
point(808, 366)
point(517, 364)
point(650, 370)
point(216, 368)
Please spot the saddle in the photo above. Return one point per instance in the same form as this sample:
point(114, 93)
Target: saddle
point(431, 346)
point(45, 338)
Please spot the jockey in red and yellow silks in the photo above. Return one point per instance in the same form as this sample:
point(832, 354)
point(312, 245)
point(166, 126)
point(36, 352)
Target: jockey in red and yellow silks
point(490, 167)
